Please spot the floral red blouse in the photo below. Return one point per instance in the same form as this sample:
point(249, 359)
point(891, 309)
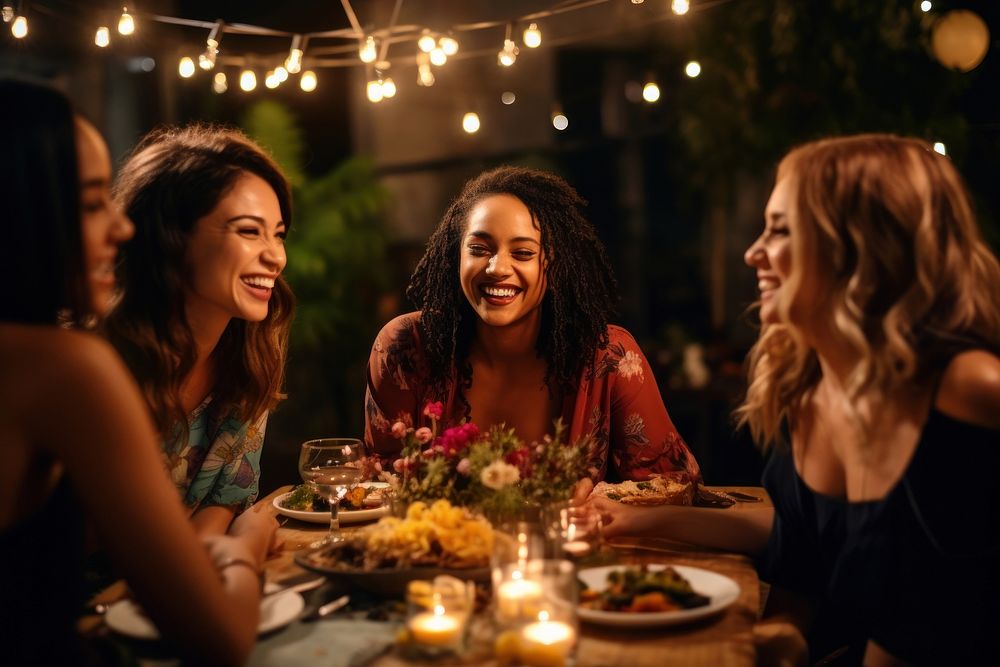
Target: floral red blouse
point(617, 403)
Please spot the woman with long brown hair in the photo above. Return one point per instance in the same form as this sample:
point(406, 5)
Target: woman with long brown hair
point(204, 318)
point(876, 383)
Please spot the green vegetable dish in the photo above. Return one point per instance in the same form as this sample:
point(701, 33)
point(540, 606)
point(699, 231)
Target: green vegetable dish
point(640, 590)
point(305, 499)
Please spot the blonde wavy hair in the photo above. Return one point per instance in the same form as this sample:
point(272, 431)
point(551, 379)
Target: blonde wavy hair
point(884, 226)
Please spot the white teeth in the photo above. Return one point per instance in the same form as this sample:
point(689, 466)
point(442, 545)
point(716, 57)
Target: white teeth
point(259, 281)
point(499, 292)
point(767, 284)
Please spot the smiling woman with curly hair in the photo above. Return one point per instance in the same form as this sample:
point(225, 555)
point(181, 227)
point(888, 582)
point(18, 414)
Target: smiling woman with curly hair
point(515, 293)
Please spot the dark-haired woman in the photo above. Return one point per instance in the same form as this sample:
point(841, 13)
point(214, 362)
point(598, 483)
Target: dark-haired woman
point(204, 319)
point(515, 292)
point(76, 440)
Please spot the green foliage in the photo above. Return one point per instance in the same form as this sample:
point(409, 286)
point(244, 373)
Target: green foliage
point(273, 126)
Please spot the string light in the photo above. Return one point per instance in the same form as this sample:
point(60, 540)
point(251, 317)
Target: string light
point(374, 91)
point(7, 12)
point(126, 24)
point(425, 76)
point(426, 43)
point(219, 83)
point(206, 60)
point(532, 36)
point(693, 69)
point(939, 148)
point(637, 2)
point(294, 61)
point(651, 92)
point(281, 74)
point(368, 51)
point(680, 7)
point(438, 56)
point(388, 87)
point(470, 122)
point(19, 28)
point(508, 54)
point(186, 67)
point(448, 44)
point(559, 120)
point(308, 81)
point(508, 98)
point(102, 37)
point(248, 80)
point(926, 6)
point(270, 80)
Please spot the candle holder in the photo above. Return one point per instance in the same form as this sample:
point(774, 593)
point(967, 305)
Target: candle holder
point(535, 612)
point(437, 618)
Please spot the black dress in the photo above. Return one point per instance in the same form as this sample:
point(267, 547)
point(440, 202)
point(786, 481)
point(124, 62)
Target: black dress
point(918, 571)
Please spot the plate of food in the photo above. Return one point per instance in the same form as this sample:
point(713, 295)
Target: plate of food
point(674, 489)
point(431, 540)
point(648, 595)
point(364, 502)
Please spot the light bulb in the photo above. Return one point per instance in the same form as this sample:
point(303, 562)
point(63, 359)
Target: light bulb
point(508, 98)
point(470, 122)
point(508, 54)
point(248, 80)
point(425, 76)
point(438, 56)
point(308, 81)
point(102, 37)
point(270, 80)
point(368, 51)
point(680, 7)
point(281, 73)
point(374, 91)
point(559, 121)
point(449, 45)
point(637, 2)
point(926, 6)
point(206, 60)
point(126, 24)
point(532, 36)
point(294, 62)
point(8, 12)
point(388, 87)
point(219, 83)
point(19, 28)
point(939, 148)
point(651, 92)
point(692, 69)
point(186, 67)
point(426, 42)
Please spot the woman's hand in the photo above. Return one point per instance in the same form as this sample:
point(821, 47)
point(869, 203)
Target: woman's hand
point(618, 519)
point(581, 491)
point(258, 530)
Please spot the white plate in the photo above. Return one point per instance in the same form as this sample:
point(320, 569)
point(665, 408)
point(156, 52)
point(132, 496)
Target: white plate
point(127, 618)
point(346, 516)
point(721, 590)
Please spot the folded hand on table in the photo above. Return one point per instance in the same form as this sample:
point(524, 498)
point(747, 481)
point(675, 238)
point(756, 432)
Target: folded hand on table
point(259, 530)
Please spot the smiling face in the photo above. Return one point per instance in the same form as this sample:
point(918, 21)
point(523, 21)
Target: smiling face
point(502, 268)
point(235, 254)
point(103, 225)
point(771, 253)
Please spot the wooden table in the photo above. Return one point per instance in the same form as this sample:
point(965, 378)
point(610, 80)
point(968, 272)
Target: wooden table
point(724, 640)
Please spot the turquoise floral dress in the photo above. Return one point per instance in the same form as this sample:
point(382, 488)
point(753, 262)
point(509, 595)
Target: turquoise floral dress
point(219, 461)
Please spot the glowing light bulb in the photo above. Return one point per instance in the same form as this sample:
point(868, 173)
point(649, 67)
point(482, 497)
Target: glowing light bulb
point(270, 80)
point(651, 92)
point(102, 37)
point(248, 80)
point(126, 24)
point(449, 45)
point(388, 87)
point(438, 56)
point(426, 43)
point(7, 12)
point(219, 83)
point(425, 76)
point(308, 81)
point(508, 54)
point(508, 98)
point(19, 28)
point(939, 148)
point(926, 6)
point(470, 122)
point(532, 36)
point(294, 61)
point(693, 69)
point(374, 91)
point(680, 7)
point(637, 2)
point(206, 60)
point(368, 50)
point(560, 121)
point(281, 74)
point(186, 67)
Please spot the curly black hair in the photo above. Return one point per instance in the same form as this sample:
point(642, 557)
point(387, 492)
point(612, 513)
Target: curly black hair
point(581, 294)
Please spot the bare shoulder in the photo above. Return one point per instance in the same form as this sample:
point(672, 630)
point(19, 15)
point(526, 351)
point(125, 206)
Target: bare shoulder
point(970, 388)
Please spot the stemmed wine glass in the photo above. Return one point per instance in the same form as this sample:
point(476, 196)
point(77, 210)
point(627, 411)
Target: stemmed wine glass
point(333, 466)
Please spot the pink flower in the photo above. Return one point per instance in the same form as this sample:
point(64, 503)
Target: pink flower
point(464, 466)
point(423, 434)
point(434, 410)
point(398, 430)
point(399, 465)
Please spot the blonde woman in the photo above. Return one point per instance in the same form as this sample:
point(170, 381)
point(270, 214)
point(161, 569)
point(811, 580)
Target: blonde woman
point(876, 382)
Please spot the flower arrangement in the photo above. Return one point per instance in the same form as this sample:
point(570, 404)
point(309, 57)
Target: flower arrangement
point(495, 472)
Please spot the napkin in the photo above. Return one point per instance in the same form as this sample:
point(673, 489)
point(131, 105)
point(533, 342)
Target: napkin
point(326, 643)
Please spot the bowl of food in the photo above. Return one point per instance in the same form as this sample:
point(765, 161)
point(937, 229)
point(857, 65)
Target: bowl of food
point(432, 540)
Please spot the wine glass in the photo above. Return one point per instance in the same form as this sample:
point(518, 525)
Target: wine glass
point(333, 466)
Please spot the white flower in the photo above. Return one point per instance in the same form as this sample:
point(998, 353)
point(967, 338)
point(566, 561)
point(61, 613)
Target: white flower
point(630, 365)
point(499, 474)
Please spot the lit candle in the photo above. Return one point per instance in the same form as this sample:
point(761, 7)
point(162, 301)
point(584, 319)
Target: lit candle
point(546, 643)
point(435, 629)
point(577, 548)
point(517, 597)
